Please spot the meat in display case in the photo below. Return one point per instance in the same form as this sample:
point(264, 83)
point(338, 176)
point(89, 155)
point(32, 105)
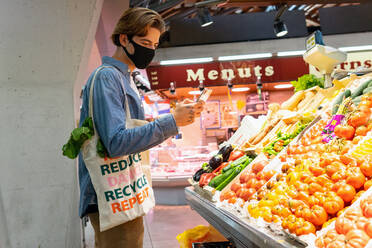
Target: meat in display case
point(171, 161)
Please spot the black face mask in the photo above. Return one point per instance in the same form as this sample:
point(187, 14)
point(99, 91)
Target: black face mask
point(142, 56)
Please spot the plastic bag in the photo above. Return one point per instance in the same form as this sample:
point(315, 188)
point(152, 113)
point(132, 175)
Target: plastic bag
point(199, 233)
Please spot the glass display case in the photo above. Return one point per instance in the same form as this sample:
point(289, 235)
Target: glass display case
point(170, 161)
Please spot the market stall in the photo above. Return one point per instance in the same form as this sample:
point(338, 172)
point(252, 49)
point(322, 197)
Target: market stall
point(303, 179)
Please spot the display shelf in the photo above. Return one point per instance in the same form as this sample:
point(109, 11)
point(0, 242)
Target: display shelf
point(241, 233)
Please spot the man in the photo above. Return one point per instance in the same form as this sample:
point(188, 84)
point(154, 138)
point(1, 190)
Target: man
point(136, 36)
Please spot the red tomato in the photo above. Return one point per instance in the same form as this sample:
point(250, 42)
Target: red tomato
point(227, 195)
point(246, 176)
point(258, 166)
point(345, 131)
point(358, 119)
point(236, 186)
point(246, 194)
point(361, 131)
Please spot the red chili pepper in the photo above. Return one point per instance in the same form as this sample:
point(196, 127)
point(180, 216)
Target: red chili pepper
point(235, 155)
point(206, 178)
point(219, 168)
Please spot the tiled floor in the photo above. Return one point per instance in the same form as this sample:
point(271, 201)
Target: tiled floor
point(162, 225)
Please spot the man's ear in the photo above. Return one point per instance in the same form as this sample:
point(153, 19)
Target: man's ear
point(123, 39)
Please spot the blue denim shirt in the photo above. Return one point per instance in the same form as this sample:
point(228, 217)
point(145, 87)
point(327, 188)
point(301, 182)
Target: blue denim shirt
point(109, 119)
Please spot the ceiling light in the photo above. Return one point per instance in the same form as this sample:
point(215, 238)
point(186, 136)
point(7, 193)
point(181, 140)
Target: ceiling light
point(280, 28)
point(283, 86)
point(291, 53)
point(186, 61)
point(355, 48)
point(194, 92)
point(204, 16)
point(233, 113)
point(246, 56)
point(292, 7)
point(242, 89)
point(238, 11)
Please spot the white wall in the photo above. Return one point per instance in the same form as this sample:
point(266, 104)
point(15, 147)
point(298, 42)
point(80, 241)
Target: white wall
point(44, 47)
point(249, 47)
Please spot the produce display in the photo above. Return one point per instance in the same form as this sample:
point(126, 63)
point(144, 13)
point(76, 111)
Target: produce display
point(312, 167)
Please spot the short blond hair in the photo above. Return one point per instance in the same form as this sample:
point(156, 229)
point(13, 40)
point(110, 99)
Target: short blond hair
point(136, 21)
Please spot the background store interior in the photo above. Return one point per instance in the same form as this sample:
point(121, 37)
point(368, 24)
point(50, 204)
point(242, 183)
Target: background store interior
point(49, 48)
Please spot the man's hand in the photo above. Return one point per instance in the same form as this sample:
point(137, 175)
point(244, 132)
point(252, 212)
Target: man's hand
point(186, 112)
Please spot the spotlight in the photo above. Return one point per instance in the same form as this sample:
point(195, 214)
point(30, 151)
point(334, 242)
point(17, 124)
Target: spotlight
point(204, 16)
point(280, 28)
point(201, 85)
point(172, 88)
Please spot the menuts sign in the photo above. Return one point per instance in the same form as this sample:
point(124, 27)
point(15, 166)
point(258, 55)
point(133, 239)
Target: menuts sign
point(219, 73)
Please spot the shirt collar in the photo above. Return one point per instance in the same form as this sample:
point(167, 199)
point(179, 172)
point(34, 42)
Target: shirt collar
point(118, 64)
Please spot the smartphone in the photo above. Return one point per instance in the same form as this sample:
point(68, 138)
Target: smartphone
point(204, 95)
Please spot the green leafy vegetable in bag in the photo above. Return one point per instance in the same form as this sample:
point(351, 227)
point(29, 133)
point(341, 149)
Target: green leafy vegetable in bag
point(77, 138)
point(307, 81)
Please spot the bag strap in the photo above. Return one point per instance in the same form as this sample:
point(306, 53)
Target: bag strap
point(127, 110)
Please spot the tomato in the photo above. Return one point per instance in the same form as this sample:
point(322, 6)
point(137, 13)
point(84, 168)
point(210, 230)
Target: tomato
point(361, 131)
point(344, 225)
point(252, 183)
point(358, 119)
point(329, 222)
point(318, 215)
point(366, 207)
point(356, 239)
point(315, 187)
point(333, 204)
point(270, 184)
point(353, 214)
point(258, 166)
point(357, 196)
point(316, 170)
point(246, 176)
point(236, 186)
point(368, 228)
point(227, 195)
point(346, 192)
point(338, 242)
point(313, 201)
point(269, 174)
point(333, 168)
point(364, 109)
point(339, 175)
point(355, 177)
point(341, 211)
point(305, 228)
point(323, 241)
point(287, 167)
point(246, 194)
point(345, 131)
point(259, 184)
point(337, 185)
point(366, 168)
point(357, 139)
point(367, 184)
point(346, 159)
point(369, 127)
point(303, 212)
point(323, 179)
point(232, 200)
point(285, 212)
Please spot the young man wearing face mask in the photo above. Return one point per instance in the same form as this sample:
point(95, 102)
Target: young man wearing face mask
point(136, 36)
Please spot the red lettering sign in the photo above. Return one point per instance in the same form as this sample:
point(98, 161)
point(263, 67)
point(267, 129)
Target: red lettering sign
point(219, 73)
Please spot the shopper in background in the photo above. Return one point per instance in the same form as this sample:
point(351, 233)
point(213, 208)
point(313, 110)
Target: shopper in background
point(136, 36)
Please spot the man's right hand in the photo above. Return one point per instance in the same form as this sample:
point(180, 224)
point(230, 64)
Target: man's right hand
point(186, 111)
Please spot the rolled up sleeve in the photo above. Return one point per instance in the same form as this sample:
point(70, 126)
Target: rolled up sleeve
point(110, 119)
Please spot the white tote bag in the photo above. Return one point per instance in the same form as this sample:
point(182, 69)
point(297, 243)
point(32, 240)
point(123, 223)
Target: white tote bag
point(123, 188)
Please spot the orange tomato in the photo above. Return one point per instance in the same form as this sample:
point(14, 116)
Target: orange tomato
point(355, 177)
point(356, 239)
point(333, 168)
point(252, 183)
point(358, 119)
point(366, 168)
point(246, 176)
point(346, 159)
point(313, 201)
point(367, 184)
point(345, 131)
point(236, 186)
point(361, 131)
point(315, 187)
point(269, 174)
point(333, 204)
point(346, 192)
point(258, 166)
point(227, 195)
point(305, 228)
point(344, 225)
point(365, 109)
point(316, 170)
point(318, 215)
point(353, 214)
point(232, 200)
point(366, 207)
point(368, 228)
point(357, 139)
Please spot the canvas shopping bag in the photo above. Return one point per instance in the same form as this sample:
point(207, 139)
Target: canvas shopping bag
point(123, 189)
